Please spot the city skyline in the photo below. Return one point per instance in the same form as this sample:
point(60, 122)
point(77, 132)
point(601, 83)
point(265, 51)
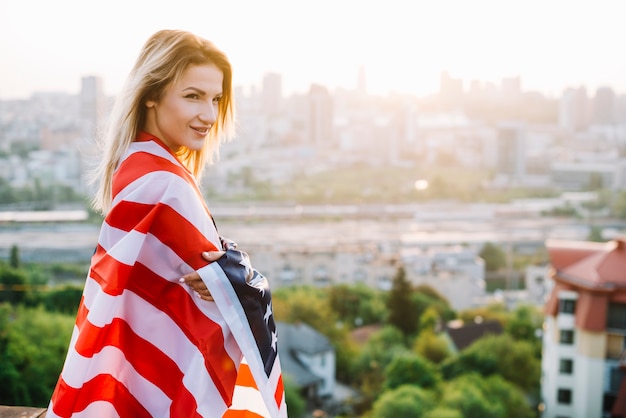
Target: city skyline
point(404, 47)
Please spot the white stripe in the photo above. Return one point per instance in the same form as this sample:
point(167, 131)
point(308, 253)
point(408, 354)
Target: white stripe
point(126, 250)
point(150, 147)
point(100, 409)
point(249, 399)
point(170, 189)
point(275, 373)
point(110, 360)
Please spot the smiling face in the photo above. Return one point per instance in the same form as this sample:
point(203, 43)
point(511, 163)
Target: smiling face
point(188, 108)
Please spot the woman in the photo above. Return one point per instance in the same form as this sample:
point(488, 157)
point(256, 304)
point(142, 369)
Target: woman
point(163, 331)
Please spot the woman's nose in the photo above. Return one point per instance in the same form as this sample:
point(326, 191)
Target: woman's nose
point(209, 114)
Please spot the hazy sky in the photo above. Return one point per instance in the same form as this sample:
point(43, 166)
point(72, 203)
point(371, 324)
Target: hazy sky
point(48, 45)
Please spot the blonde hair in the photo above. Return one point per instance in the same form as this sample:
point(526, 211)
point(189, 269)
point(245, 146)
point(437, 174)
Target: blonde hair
point(162, 61)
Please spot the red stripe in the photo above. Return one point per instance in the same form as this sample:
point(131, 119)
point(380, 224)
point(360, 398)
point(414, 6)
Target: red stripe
point(173, 300)
point(280, 391)
point(141, 163)
point(67, 400)
point(168, 226)
point(143, 356)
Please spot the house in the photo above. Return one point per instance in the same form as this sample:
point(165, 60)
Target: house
point(462, 336)
point(584, 337)
point(308, 359)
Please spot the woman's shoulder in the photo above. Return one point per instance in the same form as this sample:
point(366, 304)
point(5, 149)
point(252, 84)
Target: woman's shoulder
point(146, 166)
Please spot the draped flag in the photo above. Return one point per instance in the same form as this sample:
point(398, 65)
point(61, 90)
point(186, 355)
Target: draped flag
point(143, 344)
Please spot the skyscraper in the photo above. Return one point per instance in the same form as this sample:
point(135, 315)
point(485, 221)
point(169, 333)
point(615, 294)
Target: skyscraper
point(511, 150)
point(271, 93)
point(320, 115)
point(92, 105)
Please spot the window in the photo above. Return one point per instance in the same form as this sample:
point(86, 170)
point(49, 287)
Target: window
point(566, 366)
point(567, 336)
point(567, 306)
point(564, 396)
point(616, 318)
point(614, 345)
point(615, 379)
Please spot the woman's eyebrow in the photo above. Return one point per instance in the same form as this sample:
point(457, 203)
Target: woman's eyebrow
point(195, 89)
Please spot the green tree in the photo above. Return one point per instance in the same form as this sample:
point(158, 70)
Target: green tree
point(494, 256)
point(432, 347)
point(63, 299)
point(357, 304)
point(404, 402)
point(493, 312)
point(412, 369)
point(595, 234)
point(402, 313)
point(296, 404)
point(14, 257)
point(33, 345)
point(425, 297)
point(464, 394)
point(443, 412)
point(369, 367)
point(12, 284)
point(514, 360)
point(524, 323)
point(512, 399)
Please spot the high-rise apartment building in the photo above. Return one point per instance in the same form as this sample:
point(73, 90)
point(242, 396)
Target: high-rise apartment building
point(271, 94)
point(584, 338)
point(92, 104)
point(511, 150)
point(604, 106)
point(320, 115)
point(574, 109)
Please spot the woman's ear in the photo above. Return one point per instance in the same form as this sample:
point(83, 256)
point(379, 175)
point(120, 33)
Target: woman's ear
point(150, 103)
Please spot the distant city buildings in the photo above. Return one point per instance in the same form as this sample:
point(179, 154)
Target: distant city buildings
point(573, 142)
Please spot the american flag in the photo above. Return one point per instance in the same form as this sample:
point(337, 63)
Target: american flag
point(144, 345)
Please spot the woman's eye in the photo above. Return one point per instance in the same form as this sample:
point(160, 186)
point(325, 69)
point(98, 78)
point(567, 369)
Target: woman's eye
point(192, 96)
point(217, 99)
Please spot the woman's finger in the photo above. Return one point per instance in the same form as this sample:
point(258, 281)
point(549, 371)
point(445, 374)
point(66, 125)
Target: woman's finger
point(212, 255)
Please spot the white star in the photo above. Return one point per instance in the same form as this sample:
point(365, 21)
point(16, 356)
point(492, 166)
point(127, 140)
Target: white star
point(245, 262)
point(274, 340)
point(268, 312)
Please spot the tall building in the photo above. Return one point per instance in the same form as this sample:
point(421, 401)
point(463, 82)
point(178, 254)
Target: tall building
point(604, 106)
point(271, 94)
point(511, 150)
point(92, 104)
point(450, 89)
point(320, 115)
point(574, 109)
point(584, 337)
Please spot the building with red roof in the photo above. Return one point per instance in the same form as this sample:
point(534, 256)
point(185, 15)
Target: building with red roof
point(584, 340)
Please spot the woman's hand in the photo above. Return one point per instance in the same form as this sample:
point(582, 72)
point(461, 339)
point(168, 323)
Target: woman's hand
point(194, 281)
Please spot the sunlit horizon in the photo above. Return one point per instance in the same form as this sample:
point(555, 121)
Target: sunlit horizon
point(404, 47)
